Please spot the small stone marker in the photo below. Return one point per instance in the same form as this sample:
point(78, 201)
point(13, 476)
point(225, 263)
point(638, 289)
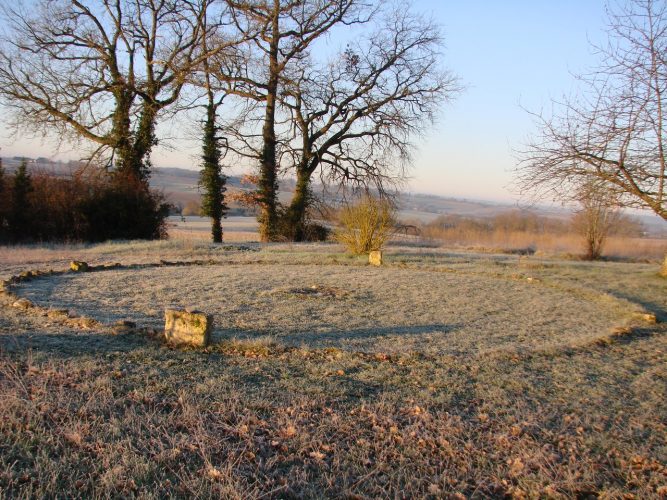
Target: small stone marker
point(78, 266)
point(23, 304)
point(663, 270)
point(375, 258)
point(646, 317)
point(189, 327)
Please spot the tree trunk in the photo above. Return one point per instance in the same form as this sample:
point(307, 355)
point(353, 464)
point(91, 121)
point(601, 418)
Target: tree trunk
point(268, 179)
point(211, 178)
point(121, 135)
point(144, 142)
point(133, 153)
point(296, 213)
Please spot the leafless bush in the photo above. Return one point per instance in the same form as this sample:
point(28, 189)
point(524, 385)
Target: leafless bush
point(596, 218)
point(192, 208)
point(366, 225)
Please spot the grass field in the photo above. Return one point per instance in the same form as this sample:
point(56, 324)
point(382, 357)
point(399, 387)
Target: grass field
point(443, 374)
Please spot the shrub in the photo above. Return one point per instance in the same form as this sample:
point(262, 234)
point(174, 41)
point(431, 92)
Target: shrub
point(91, 207)
point(192, 208)
point(596, 217)
point(316, 232)
point(366, 225)
point(124, 209)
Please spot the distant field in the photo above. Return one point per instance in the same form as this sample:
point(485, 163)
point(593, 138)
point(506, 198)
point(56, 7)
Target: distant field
point(244, 229)
point(236, 229)
point(443, 374)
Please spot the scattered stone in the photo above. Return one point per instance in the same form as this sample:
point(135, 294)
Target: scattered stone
point(23, 304)
point(78, 266)
point(27, 275)
point(187, 327)
point(375, 258)
point(57, 314)
point(315, 291)
point(646, 317)
point(111, 266)
point(84, 323)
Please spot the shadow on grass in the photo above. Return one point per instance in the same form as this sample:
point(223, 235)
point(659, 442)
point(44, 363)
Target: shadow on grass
point(76, 343)
point(335, 335)
point(72, 343)
point(651, 306)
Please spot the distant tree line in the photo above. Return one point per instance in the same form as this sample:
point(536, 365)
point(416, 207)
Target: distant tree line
point(37, 206)
point(593, 222)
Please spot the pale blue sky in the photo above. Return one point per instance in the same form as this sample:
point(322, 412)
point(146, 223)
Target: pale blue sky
point(507, 54)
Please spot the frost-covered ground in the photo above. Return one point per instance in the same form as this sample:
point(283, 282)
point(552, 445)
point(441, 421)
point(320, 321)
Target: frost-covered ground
point(440, 374)
point(359, 307)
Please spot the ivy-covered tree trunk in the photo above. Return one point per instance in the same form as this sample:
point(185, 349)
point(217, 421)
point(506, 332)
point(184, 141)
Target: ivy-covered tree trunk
point(268, 171)
point(121, 136)
point(297, 210)
point(144, 141)
point(211, 177)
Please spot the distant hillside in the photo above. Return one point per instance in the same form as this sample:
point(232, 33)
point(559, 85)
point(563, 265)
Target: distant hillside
point(180, 186)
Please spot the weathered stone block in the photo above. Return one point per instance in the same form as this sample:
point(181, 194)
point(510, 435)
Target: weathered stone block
point(78, 266)
point(375, 258)
point(663, 270)
point(646, 317)
point(57, 314)
point(84, 323)
point(23, 304)
point(188, 327)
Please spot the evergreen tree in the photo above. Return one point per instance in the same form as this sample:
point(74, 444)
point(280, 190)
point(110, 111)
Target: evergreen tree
point(19, 210)
point(211, 178)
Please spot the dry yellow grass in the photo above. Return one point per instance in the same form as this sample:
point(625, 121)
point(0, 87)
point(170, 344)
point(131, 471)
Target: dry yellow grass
point(620, 247)
point(228, 237)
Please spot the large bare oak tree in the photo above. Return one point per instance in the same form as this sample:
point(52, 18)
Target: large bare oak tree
point(102, 71)
point(286, 31)
point(355, 116)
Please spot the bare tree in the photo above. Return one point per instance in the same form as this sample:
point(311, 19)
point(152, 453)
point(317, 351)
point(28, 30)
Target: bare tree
point(596, 218)
point(614, 133)
point(354, 117)
point(101, 70)
point(286, 30)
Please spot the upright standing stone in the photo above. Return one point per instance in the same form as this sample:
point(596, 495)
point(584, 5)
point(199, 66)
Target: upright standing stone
point(663, 271)
point(187, 327)
point(375, 258)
